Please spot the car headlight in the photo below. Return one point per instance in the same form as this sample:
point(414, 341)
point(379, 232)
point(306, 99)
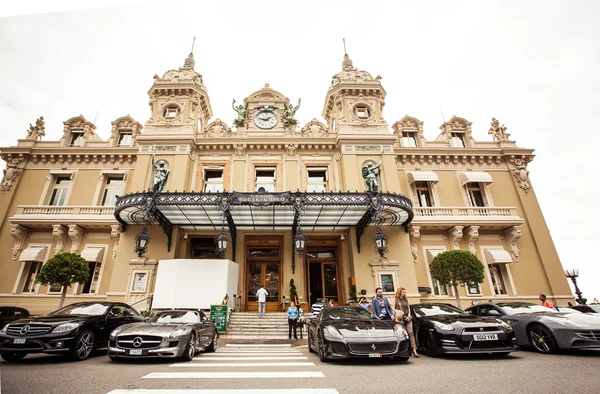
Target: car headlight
point(115, 332)
point(502, 324)
point(400, 332)
point(562, 321)
point(66, 327)
point(331, 330)
point(3, 331)
point(179, 332)
point(443, 326)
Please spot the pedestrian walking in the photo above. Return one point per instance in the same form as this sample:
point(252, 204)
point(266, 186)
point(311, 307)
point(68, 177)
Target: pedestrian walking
point(404, 317)
point(316, 308)
point(381, 306)
point(292, 314)
point(262, 301)
point(545, 302)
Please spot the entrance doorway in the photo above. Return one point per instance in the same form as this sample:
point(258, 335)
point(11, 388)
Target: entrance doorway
point(323, 275)
point(263, 268)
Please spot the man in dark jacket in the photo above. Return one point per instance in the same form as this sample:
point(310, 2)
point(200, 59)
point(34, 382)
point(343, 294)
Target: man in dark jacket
point(381, 306)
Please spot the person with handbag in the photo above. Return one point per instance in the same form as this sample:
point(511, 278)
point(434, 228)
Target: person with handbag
point(403, 316)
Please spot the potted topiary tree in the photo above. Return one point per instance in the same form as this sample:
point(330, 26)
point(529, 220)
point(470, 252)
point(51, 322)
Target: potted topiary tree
point(293, 292)
point(353, 299)
point(456, 268)
point(64, 269)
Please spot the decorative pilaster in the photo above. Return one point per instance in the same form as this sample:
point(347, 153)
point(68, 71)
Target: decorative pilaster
point(19, 233)
point(76, 235)
point(512, 235)
point(472, 235)
point(456, 234)
point(115, 233)
point(59, 232)
point(415, 235)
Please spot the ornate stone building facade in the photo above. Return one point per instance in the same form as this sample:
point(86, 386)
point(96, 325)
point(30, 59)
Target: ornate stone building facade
point(264, 180)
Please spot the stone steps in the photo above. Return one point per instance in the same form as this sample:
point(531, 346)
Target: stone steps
point(247, 325)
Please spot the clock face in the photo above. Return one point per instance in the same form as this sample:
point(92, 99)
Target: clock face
point(265, 120)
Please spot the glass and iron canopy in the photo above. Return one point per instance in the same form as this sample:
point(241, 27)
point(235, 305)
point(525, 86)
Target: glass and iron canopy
point(264, 211)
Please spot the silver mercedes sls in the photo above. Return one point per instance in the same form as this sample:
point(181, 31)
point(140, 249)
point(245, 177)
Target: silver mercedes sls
point(169, 334)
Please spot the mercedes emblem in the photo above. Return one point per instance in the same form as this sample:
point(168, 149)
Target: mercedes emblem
point(25, 329)
point(137, 341)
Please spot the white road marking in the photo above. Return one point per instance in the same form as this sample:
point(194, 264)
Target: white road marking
point(225, 354)
point(255, 351)
point(251, 358)
point(258, 345)
point(225, 391)
point(278, 364)
point(232, 375)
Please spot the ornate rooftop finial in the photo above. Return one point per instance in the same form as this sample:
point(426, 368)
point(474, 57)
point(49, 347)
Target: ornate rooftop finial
point(189, 62)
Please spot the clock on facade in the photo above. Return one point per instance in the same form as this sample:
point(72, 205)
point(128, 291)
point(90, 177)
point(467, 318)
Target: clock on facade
point(266, 118)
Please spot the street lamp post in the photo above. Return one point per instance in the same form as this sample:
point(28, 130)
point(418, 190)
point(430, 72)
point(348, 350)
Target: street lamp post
point(573, 274)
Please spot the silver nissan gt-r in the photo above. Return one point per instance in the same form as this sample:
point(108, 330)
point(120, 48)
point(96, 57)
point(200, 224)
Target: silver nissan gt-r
point(546, 330)
point(169, 334)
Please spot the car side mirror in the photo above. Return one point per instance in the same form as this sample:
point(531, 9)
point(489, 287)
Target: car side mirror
point(147, 319)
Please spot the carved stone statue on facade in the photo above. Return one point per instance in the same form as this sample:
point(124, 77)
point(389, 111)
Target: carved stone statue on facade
point(11, 172)
point(37, 131)
point(160, 175)
point(242, 114)
point(370, 173)
point(289, 112)
point(521, 175)
point(498, 132)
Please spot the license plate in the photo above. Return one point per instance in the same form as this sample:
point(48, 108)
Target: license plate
point(485, 337)
point(374, 354)
point(19, 340)
point(135, 352)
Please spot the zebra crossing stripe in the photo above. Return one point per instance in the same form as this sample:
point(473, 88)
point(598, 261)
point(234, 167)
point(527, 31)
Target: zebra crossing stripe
point(266, 354)
point(207, 365)
point(233, 375)
point(241, 358)
point(258, 345)
point(240, 351)
point(225, 391)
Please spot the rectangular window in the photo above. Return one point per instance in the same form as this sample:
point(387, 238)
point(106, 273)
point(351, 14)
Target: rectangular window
point(362, 112)
point(213, 180)
point(475, 194)
point(56, 288)
point(125, 138)
point(497, 275)
point(113, 189)
point(60, 190)
point(409, 139)
point(76, 138)
point(316, 179)
point(90, 285)
point(264, 179)
point(33, 269)
point(424, 194)
point(457, 140)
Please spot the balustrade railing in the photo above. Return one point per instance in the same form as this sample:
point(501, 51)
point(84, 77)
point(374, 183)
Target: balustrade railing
point(53, 210)
point(464, 211)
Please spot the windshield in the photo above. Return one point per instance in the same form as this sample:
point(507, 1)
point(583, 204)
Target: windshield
point(513, 309)
point(436, 309)
point(79, 309)
point(176, 317)
point(347, 313)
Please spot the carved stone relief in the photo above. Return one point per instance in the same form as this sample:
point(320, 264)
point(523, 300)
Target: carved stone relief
point(115, 233)
point(291, 150)
point(314, 129)
point(11, 174)
point(218, 129)
point(520, 172)
point(76, 235)
point(498, 132)
point(19, 233)
point(512, 235)
point(240, 150)
point(472, 235)
point(38, 131)
point(415, 235)
point(455, 234)
point(59, 232)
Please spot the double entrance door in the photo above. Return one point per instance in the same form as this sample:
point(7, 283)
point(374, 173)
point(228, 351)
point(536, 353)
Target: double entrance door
point(323, 281)
point(263, 269)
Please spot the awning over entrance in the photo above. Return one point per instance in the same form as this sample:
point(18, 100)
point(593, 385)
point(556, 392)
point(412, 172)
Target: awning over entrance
point(264, 211)
point(472, 176)
point(92, 254)
point(497, 256)
point(33, 253)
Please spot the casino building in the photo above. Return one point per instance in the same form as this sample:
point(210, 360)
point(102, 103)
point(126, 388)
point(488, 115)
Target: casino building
point(289, 199)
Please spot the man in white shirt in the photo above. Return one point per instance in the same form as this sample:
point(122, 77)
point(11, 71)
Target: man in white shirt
point(262, 301)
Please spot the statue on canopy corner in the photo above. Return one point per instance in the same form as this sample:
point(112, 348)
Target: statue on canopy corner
point(160, 176)
point(370, 172)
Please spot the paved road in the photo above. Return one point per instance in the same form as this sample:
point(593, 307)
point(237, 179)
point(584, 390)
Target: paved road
point(262, 369)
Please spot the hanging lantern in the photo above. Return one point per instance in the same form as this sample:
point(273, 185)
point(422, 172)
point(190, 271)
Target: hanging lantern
point(221, 241)
point(380, 240)
point(141, 242)
point(299, 241)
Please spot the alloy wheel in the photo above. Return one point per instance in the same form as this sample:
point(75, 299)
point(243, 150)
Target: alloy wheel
point(85, 344)
point(541, 339)
point(192, 346)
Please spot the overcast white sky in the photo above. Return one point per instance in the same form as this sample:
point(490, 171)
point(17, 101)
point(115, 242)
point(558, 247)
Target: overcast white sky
point(533, 65)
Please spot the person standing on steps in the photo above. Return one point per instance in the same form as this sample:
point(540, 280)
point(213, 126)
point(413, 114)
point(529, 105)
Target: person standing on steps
point(262, 301)
point(292, 314)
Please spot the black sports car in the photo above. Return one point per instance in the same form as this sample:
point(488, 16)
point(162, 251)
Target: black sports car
point(584, 308)
point(11, 313)
point(545, 329)
point(76, 330)
point(169, 334)
point(445, 329)
point(345, 331)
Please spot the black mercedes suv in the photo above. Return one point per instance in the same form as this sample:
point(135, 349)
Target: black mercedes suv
point(75, 330)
